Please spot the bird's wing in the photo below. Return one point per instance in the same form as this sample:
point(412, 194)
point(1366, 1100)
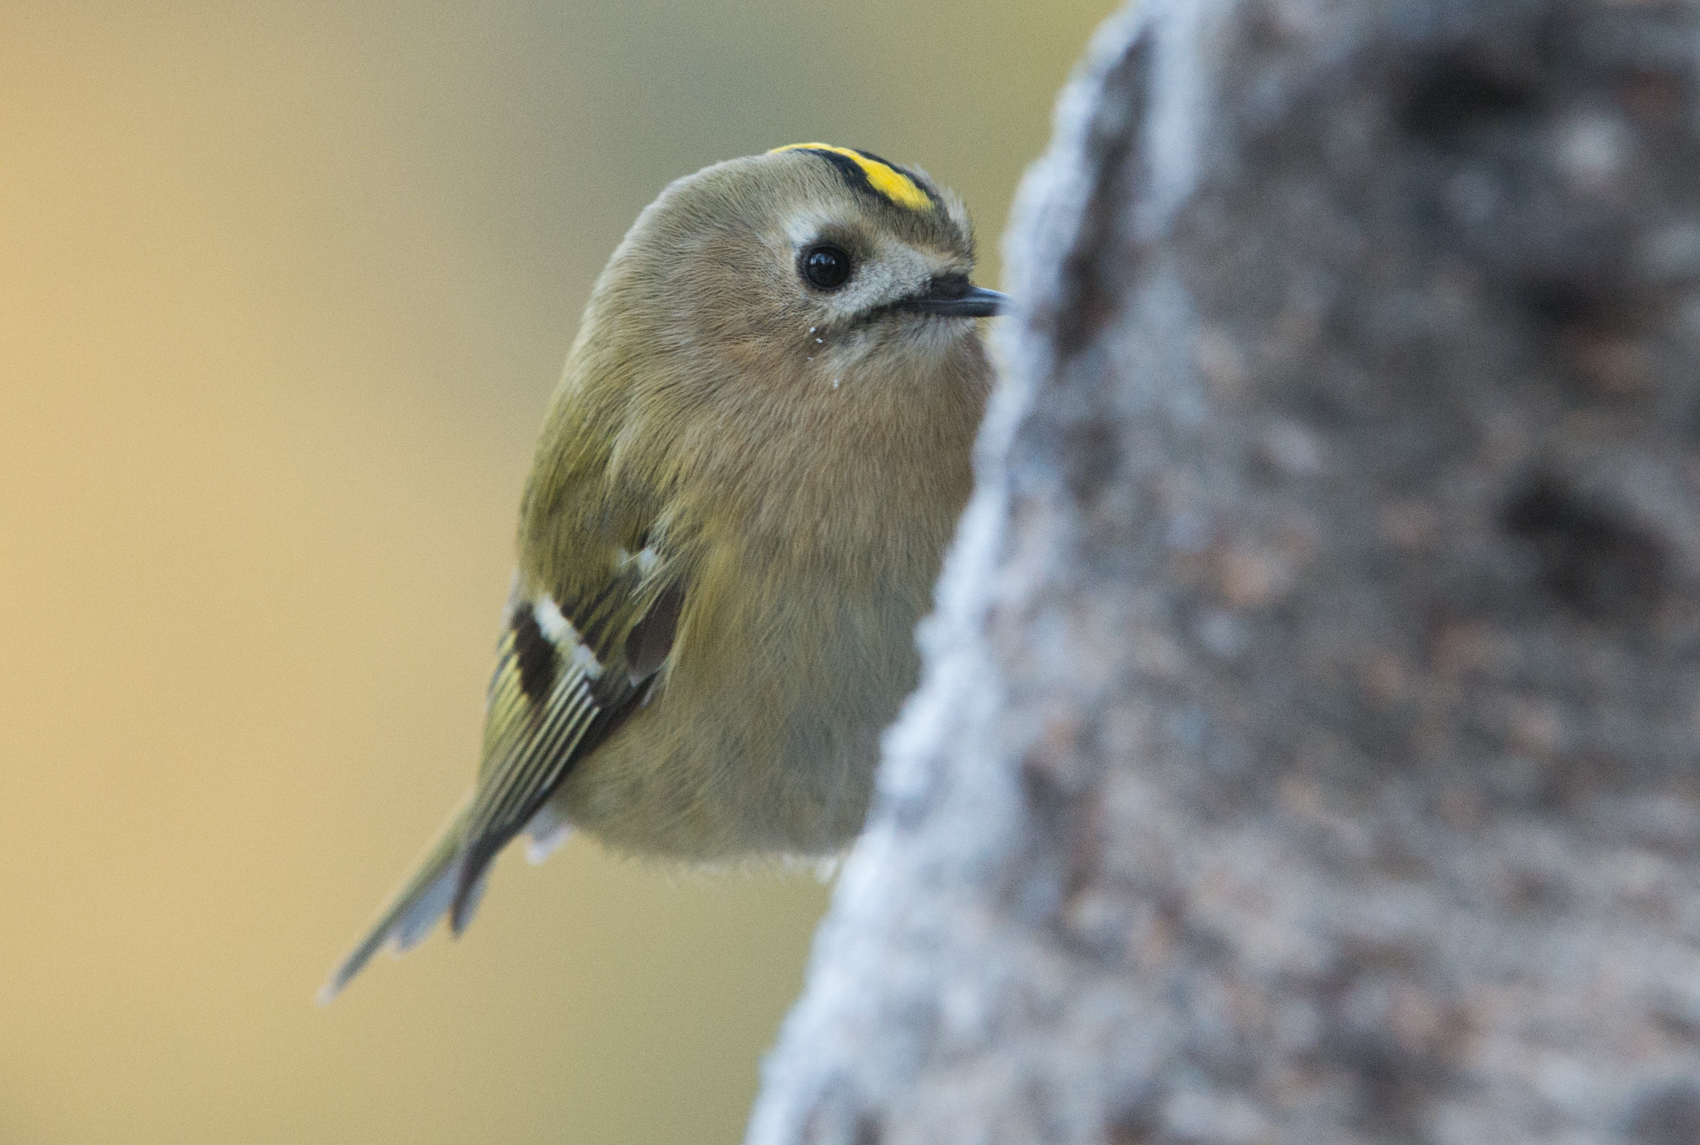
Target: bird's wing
point(568, 673)
point(566, 677)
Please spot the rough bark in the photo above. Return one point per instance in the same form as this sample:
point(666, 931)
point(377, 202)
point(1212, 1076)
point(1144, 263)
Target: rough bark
point(1307, 747)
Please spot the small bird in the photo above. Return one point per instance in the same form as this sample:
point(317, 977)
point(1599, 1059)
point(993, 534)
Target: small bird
point(740, 500)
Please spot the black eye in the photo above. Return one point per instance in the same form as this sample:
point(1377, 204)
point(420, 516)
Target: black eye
point(826, 267)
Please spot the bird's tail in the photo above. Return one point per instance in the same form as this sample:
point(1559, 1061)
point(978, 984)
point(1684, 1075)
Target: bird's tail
point(414, 909)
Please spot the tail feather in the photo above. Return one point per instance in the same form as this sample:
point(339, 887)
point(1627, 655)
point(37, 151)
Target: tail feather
point(412, 912)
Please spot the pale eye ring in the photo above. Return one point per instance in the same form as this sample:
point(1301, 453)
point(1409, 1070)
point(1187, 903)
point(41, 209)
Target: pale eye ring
point(824, 266)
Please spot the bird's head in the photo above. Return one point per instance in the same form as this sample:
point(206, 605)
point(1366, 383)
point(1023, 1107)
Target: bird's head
point(806, 266)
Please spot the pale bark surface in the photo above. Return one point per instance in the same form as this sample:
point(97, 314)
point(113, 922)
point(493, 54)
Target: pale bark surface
point(1307, 748)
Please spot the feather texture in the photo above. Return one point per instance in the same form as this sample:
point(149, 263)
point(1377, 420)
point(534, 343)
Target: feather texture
point(739, 503)
point(550, 702)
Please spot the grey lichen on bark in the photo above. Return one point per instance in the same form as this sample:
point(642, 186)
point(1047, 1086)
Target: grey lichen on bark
point(1307, 750)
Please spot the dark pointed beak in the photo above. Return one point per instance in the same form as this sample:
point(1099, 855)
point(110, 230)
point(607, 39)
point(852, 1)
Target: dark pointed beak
point(954, 296)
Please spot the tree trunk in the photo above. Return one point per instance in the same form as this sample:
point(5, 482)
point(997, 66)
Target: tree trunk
point(1307, 746)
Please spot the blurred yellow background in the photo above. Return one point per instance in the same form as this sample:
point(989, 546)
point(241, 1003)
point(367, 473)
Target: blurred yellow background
point(283, 289)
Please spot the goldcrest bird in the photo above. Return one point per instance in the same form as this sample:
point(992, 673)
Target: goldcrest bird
point(739, 503)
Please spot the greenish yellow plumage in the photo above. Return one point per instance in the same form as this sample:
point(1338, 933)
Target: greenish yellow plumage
point(740, 500)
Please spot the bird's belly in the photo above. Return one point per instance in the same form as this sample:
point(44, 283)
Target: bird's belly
point(763, 733)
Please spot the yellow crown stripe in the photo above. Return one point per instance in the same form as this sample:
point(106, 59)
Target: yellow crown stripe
point(882, 177)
